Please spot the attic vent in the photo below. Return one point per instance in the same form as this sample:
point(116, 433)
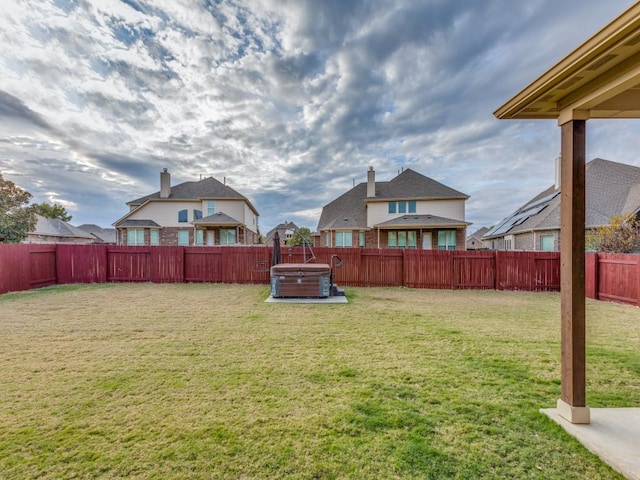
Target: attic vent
point(569, 83)
point(632, 41)
point(597, 64)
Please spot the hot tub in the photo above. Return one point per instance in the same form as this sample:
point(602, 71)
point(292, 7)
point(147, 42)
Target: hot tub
point(300, 280)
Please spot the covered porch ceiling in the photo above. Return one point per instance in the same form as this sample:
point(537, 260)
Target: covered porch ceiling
point(599, 79)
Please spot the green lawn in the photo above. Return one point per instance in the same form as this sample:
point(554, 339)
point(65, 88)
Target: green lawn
point(208, 381)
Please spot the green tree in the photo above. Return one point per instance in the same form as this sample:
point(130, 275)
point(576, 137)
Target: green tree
point(17, 217)
point(622, 235)
point(300, 237)
point(52, 211)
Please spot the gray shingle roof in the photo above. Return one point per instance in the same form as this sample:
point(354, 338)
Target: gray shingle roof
point(217, 219)
point(348, 211)
point(106, 235)
point(139, 223)
point(612, 189)
point(413, 220)
point(478, 233)
point(206, 188)
point(54, 227)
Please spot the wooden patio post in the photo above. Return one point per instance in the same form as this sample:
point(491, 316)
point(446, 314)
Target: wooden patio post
point(572, 404)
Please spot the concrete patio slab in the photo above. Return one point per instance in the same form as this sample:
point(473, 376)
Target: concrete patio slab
point(613, 435)
point(336, 299)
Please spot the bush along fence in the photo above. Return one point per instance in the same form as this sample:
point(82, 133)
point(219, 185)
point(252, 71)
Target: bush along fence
point(22, 267)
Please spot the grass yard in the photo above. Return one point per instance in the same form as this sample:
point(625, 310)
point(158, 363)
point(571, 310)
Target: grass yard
point(198, 381)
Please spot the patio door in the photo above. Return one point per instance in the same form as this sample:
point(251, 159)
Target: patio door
point(210, 238)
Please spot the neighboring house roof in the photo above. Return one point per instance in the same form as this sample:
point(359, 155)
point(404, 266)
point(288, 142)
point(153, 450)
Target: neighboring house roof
point(207, 188)
point(478, 234)
point(412, 220)
point(105, 235)
point(281, 229)
point(221, 219)
point(612, 189)
point(54, 227)
point(348, 211)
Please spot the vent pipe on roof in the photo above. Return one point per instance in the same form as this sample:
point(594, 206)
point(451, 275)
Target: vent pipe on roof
point(165, 183)
point(371, 183)
point(558, 170)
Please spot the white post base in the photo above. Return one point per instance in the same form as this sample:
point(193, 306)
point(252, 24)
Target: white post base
point(573, 414)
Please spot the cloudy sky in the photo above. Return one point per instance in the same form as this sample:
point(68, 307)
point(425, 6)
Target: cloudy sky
point(290, 100)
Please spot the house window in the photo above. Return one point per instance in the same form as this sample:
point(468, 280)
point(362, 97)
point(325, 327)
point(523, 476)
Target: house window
point(227, 236)
point(361, 238)
point(546, 243)
point(199, 237)
point(392, 207)
point(402, 239)
point(326, 238)
point(183, 237)
point(402, 207)
point(135, 236)
point(154, 236)
point(197, 214)
point(412, 206)
point(344, 239)
point(183, 216)
point(508, 242)
point(211, 207)
point(446, 240)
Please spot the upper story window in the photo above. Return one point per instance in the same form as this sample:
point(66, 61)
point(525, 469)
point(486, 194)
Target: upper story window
point(211, 207)
point(197, 214)
point(183, 216)
point(402, 206)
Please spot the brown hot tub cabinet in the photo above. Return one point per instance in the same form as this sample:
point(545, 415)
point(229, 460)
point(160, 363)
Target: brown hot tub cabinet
point(300, 280)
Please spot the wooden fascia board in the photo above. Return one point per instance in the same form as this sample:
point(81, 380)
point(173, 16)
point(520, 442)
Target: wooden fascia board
point(612, 34)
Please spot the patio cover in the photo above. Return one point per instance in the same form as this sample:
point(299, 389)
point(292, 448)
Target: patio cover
point(599, 79)
point(217, 220)
point(421, 221)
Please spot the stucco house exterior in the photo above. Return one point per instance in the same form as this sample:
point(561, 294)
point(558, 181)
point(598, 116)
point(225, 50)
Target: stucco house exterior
point(206, 212)
point(612, 189)
point(409, 211)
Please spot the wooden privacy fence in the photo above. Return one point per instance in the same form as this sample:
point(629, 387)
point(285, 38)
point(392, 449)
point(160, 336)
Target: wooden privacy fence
point(22, 267)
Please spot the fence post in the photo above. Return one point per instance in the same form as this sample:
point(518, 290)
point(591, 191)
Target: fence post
point(591, 275)
point(638, 284)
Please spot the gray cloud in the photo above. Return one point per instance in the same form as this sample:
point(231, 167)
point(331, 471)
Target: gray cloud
point(290, 100)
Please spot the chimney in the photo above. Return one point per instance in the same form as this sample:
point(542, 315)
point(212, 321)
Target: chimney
point(371, 183)
point(165, 184)
point(558, 170)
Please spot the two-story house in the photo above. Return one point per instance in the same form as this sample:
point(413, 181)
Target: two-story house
point(612, 189)
point(409, 211)
point(206, 212)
